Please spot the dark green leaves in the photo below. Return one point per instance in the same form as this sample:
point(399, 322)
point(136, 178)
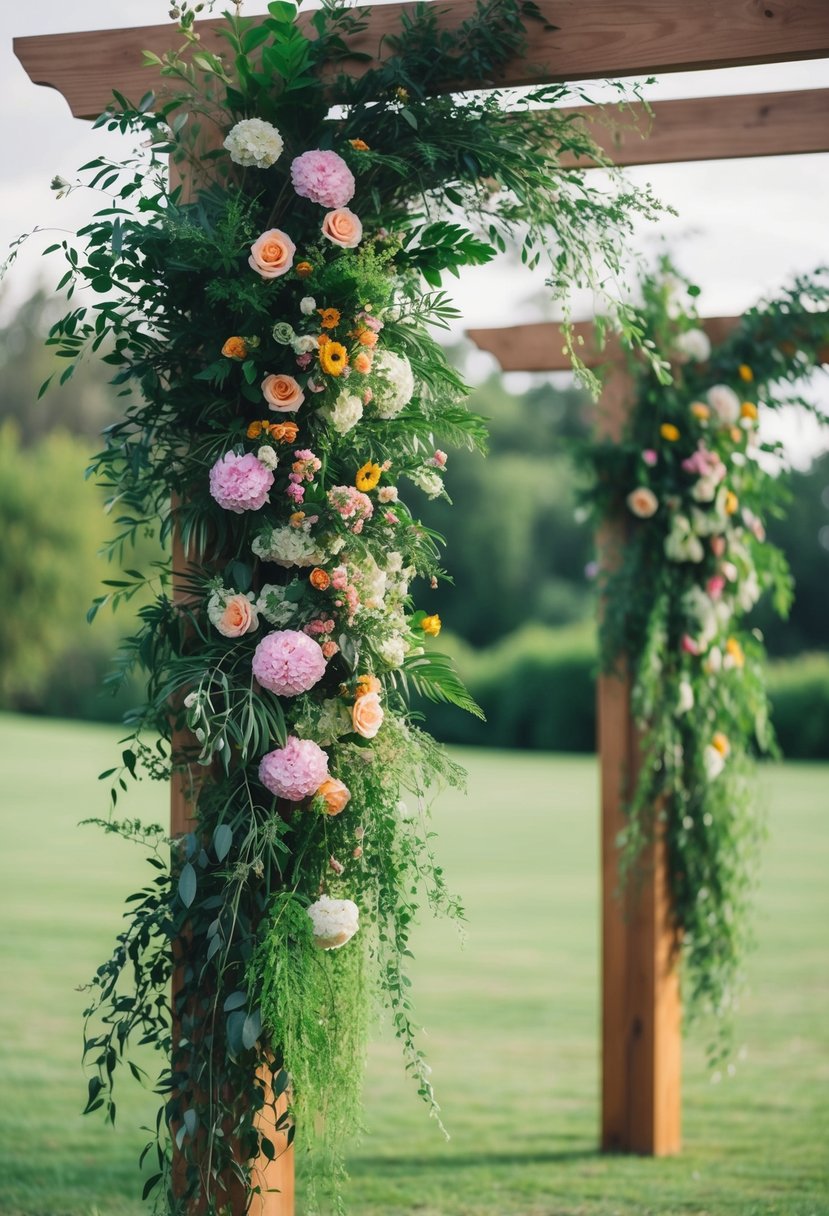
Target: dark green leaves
point(187, 884)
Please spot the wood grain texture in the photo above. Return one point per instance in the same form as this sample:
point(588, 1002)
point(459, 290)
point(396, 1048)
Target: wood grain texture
point(599, 39)
point(708, 128)
point(539, 347)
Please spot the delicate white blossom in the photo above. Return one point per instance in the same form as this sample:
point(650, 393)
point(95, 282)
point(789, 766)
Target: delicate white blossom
point(725, 404)
point(335, 922)
point(694, 344)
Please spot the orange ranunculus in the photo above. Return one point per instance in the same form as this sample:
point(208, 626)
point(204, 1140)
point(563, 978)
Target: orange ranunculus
point(367, 337)
point(272, 254)
point(255, 429)
point(342, 227)
point(366, 684)
point(362, 362)
point(282, 392)
point(359, 145)
point(330, 317)
point(735, 653)
point(235, 348)
point(336, 795)
point(367, 715)
point(295, 519)
point(304, 269)
point(283, 432)
point(431, 625)
point(333, 358)
point(736, 434)
point(319, 578)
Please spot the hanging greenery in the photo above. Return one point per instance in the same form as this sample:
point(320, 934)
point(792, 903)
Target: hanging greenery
point(269, 334)
point(695, 480)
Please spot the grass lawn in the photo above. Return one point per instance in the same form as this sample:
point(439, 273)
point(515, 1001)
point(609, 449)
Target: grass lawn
point(512, 1017)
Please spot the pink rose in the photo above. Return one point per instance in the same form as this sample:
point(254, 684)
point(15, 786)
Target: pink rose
point(343, 228)
point(272, 254)
point(367, 715)
point(282, 393)
point(238, 617)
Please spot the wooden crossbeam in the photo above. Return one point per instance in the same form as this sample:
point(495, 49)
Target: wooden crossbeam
point(540, 347)
point(709, 128)
point(599, 39)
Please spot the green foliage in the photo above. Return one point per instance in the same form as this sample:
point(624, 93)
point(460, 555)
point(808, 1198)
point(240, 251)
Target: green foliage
point(799, 696)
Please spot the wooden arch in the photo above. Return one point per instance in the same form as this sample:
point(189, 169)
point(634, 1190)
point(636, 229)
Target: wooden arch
point(600, 39)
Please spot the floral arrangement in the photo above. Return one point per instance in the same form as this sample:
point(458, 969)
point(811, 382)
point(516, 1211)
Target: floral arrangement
point(694, 481)
point(283, 398)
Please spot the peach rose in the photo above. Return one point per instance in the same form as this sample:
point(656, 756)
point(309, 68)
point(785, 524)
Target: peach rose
point(272, 254)
point(343, 228)
point(362, 362)
point(282, 393)
point(336, 795)
point(367, 715)
point(237, 618)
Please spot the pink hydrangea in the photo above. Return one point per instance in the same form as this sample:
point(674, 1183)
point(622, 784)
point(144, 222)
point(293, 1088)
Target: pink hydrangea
point(295, 771)
point(288, 662)
point(240, 483)
point(323, 177)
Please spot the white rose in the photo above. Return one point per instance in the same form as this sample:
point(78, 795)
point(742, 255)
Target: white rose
point(642, 502)
point(725, 403)
point(714, 762)
point(254, 143)
point(335, 922)
point(387, 494)
point(394, 383)
point(267, 456)
point(307, 306)
point(304, 344)
point(694, 344)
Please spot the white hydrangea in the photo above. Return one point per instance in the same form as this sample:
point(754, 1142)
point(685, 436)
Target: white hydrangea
point(372, 584)
point(681, 544)
point(394, 562)
point(267, 456)
point(254, 143)
point(725, 404)
point(394, 383)
point(393, 650)
point(273, 606)
point(287, 546)
point(335, 921)
point(694, 344)
point(345, 413)
point(711, 616)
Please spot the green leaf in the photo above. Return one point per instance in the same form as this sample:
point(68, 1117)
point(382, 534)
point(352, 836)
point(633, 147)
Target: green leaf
point(187, 883)
point(222, 840)
point(251, 1029)
point(235, 1001)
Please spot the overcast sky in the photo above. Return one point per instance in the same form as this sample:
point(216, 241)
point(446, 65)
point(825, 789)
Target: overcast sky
point(743, 228)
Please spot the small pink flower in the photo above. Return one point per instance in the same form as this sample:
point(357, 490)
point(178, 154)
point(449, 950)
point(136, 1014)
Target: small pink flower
point(339, 578)
point(295, 492)
point(357, 853)
point(391, 518)
point(304, 362)
point(715, 586)
point(650, 457)
point(240, 483)
point(718, 545)
point(336, 866)
point(438, 460)
point(368, 396)
point(689, 645)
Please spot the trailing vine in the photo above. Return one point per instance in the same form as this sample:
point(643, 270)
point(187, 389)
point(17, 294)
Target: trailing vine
point(695, 480)
point(269, 334)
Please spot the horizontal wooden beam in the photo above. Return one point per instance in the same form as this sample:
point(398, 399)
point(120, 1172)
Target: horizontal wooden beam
point(595, 39)
point(540, 347)
point(708, 128)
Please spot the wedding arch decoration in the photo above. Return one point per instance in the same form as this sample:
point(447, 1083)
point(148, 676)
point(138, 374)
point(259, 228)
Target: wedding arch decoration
point(269, 337)
point(696, 482)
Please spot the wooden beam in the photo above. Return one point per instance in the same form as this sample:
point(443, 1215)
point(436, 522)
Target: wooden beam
point(708, 128)
point(599, 39)
point(540, 347)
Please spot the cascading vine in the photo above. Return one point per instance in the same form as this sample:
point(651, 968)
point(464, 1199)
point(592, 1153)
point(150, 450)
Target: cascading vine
point(269, 337)
point(695, 480)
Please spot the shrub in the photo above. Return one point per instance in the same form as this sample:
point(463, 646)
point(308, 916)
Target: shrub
point(799, 691)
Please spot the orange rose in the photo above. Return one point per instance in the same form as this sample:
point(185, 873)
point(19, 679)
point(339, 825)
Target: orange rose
point(367, 684)
point(367, 337)
point(336, 795)
point(319, 578)
point(362, 362)
point(282, 393)
point(235, 348)
point(272, 254)
point(343, 228)
point(283, 432)
point(367, 715)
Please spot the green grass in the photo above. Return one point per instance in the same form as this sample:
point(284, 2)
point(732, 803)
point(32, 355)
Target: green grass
point(512, 1017)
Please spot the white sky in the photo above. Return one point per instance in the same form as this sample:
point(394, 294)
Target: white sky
point(743, 226)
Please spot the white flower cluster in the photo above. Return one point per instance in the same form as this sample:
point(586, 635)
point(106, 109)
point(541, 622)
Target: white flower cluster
point(274, 607)
point(254, 143)
point(693, 345)
point(345, 413)
point(396, 383)
point(287, 546)
point(335, 921)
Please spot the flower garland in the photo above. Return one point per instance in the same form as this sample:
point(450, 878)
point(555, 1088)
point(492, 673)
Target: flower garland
point(695, 481)
point(270, 340)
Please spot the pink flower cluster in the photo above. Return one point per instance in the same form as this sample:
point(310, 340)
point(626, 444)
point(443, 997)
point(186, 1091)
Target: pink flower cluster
point(295, 771)
point(319, 625)
point(323, 177)
point(305, 468)
point(352, 505)
point(240, 483)
point(371, 322)
point(704, 463)
point(288, 662)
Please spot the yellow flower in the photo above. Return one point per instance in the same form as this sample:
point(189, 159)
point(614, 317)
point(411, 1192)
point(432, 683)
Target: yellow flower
point(304, 269)
point(333, 358)
point(402, 94)
point(745, 373)
point(295, 520)
point(669, 431)
point(368, 476)
point(431, 625)
point(720, 743)
point(330, 317)
point(256, 428)
point(235, 348)
point(359, 145)
point(735, 652)
point(748, 410)
point(700, 411)
point(732, 502)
